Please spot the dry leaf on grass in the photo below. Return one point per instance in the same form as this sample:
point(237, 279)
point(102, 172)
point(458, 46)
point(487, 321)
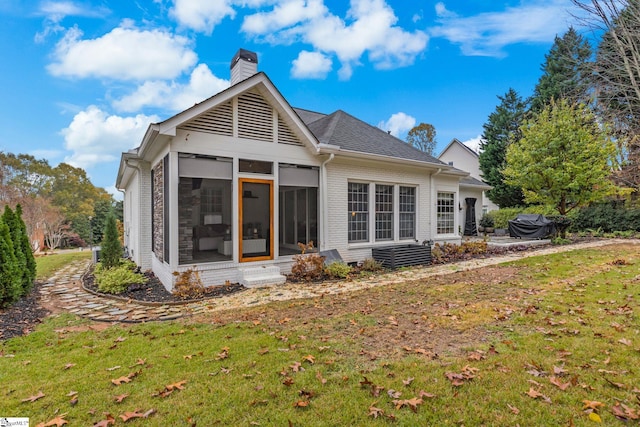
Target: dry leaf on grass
point(34, 397)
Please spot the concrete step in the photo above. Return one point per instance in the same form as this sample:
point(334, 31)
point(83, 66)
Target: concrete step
point(265, 275)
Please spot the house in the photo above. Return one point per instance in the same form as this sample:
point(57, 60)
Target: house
point(230, 186)
point(459, 155)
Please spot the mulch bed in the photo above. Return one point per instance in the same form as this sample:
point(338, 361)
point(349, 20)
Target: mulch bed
point(154, 290)
point(23, 316)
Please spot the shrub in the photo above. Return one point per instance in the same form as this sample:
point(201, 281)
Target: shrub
point(608, 217)
point(449, 252)
point(15, 232)
point(30, 272)
point(338, 270)
point(486, 221)
point(116, 280)
point(188, 284)
point(370, 264)
point(501, 217)
point(307, 267)
point(10, 275)
point(110, 248)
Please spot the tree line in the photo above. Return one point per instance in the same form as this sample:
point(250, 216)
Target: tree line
point(576, 140)
point(59, 205)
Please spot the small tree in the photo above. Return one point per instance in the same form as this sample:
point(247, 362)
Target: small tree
point(10, 283)
point(423, 137)
point(31, 270)
point(564, 158)
point(15, 232)
point(111, 249)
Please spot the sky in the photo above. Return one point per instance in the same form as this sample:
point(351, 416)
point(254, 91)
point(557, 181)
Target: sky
point(82, 80)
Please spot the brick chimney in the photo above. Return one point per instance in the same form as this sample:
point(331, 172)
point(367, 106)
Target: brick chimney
point(243, 65)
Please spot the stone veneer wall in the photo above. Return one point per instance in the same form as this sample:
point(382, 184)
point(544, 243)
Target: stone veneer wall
point(185, 232)
point(157, 228)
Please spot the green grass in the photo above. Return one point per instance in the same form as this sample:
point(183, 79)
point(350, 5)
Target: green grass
point(48, 264)
point(573, 313)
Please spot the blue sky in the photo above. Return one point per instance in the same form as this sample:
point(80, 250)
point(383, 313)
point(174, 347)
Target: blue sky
point(83, 79)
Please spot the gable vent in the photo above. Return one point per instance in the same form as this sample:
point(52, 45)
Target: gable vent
point(218, 121)
point(255, 117)
point(285, 135)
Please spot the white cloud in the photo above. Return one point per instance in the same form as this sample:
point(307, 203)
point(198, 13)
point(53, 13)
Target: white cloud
point(487, 34)
point(370, 27)
point(474, 143)
point(173, 96)
point(202, 15)
point(56, 11)
point(311, 65)
point(398, 124)
point(125, 53)
point(94, 136)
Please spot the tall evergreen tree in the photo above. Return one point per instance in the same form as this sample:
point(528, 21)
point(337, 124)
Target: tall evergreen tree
point(565, 72)
point(15, 232)
point(501, 129)
point(111, 249)
point(30, 272)
point(10, 284)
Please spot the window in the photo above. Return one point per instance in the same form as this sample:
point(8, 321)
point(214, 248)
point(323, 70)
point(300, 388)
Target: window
point(358, 222)
point(384, 212)
point(446, 213)
point(407, 199)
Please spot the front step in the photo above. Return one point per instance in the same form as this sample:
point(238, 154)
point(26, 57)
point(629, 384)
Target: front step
point(265, 275)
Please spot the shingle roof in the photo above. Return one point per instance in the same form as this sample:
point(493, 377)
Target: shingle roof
point(347, 132)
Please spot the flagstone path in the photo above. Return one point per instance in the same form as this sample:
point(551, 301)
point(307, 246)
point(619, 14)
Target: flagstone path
point(64, 291)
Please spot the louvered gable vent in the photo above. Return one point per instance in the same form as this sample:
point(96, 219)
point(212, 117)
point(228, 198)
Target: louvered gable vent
point(285, 135)
point(255, 117)
point(218, 121)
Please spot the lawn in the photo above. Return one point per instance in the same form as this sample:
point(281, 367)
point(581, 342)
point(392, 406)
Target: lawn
point(547, 340)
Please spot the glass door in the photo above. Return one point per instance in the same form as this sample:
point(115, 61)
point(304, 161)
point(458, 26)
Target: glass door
point(256, 219)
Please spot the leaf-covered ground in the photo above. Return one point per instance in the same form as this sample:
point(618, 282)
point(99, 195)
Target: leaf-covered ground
point(548, 340)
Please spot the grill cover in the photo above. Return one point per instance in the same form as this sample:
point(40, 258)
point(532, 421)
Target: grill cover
point(532, 226)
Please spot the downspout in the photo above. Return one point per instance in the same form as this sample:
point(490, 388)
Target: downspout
point(433, 197)
point(325, 203)
point(136, 167)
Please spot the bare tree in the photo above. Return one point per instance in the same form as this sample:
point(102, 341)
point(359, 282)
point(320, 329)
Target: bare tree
point(55, 226)
point(616, 76)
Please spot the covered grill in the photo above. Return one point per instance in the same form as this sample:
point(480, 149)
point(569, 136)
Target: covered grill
point(531, 226)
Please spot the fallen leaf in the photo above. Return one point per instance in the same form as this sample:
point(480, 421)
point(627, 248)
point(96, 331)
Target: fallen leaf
point(34, 397)
point(411, 403)
point(592, 404)
point(625, 342)
point(375, 412)
point(595, 417)
point(309, 358)
point(393, 394)
point(113, 369)
point(408, 381)
point(176, 386)
point(69, 366)
point(106, 422)
point(301, 404)
point(556, 382)
point(136, 414)
point(515, 410)
point(425, 394)
point(319, 377)
point(120, 397)
point(57, 421)
point(119, 381)
point(624, 413)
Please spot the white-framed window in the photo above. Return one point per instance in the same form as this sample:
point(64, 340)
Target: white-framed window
point(407, 212)
point(395, 209)
point(446, 213)
point(384, 212)
point(358, 221)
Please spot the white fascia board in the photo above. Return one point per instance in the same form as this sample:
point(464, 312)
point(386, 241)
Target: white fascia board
point(446, 169)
